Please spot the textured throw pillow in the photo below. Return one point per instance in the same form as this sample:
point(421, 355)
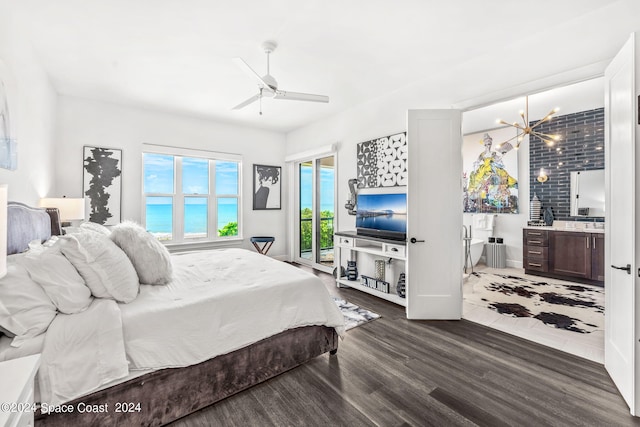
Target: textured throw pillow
point(59, 279)
point(150, 258)
point(25, 309)
point(93, 226)
point(104, 267)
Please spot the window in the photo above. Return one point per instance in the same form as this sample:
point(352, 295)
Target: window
point(189, 195)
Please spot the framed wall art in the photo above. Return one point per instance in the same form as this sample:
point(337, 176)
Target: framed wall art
point(382, 162)
point(102, 184)
point(490, 177)
point(266, 187)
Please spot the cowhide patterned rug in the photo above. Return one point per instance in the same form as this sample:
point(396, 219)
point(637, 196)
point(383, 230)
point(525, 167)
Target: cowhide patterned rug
point(573, 307)
point(354, 315)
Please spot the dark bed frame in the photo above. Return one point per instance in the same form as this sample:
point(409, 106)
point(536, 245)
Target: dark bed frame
point(169, 394)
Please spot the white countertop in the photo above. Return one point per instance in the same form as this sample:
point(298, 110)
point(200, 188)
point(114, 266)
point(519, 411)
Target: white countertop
point(579, 227)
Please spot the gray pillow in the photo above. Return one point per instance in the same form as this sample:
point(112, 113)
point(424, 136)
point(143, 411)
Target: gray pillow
point(150, 258)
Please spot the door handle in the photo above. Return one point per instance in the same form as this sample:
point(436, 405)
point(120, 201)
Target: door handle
point(414, 240)
point(627, 268)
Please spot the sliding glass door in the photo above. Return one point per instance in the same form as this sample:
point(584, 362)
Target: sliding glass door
point(316, 212)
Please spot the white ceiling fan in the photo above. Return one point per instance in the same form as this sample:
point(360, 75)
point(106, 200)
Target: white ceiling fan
point(268, 86)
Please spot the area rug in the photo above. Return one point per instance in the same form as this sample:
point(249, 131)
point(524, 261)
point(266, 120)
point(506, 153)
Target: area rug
point(354, 315)
point(573, 307)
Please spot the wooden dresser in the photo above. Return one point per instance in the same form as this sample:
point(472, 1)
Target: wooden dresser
point(568, 255)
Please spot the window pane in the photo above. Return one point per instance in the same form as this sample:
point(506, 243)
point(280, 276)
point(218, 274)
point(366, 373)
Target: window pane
point(227, 216)
point(195, 176)
point(226, 177)
point(195, 217)
point(158, 173)
point(159, 218)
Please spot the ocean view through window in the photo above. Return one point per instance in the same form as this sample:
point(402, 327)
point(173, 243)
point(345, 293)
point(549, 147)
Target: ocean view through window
point(191, 196)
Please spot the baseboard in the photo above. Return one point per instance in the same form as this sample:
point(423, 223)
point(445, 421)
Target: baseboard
point(515, 264)
point(281, 257)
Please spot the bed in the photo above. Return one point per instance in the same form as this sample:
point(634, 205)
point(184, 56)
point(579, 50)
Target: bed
point(175, 348)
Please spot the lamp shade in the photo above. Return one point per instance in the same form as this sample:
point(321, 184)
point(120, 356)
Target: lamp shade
point(3, 229)
point(70, 208)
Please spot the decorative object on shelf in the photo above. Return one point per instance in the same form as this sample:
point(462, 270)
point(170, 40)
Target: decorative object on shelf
point(351, 203)
point(548, 216)
point(490, 174)
point(343, 272)
point(528, 129)
point(378, 285)
point(102, 183)
point(379, 269)
point(534, 208)
point(382, 162)
point(401, 287)
point(352, 270)
point(266, 187)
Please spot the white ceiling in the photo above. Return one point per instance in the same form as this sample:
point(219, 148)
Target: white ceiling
point(176, 56)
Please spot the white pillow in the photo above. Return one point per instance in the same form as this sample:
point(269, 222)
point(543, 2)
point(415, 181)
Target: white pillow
point(150, 258)
point(25, 309)
point(94, 226)
point(104, 267)
point(59, 279)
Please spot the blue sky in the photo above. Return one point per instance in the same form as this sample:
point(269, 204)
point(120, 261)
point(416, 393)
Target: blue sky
point(159, 170)
point(326, 188)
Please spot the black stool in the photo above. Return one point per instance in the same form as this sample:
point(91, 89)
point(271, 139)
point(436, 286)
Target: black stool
point(267, 241)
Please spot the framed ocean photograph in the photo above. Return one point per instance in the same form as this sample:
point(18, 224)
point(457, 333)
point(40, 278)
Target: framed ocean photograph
point(266, 187)
point(102, 184)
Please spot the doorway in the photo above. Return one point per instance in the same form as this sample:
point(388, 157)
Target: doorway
point(579, 149)
point(315, 212)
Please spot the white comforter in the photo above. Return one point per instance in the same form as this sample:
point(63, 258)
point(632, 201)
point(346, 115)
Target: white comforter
point(219, 301)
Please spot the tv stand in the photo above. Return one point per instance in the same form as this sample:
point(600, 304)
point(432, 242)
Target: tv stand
point(364, 250)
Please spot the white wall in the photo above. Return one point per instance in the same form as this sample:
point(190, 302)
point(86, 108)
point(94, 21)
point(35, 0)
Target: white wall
point(85, 122)
point(32, 103)
point(387, 115)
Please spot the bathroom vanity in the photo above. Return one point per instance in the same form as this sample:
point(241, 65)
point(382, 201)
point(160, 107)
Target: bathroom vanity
point(568, 254)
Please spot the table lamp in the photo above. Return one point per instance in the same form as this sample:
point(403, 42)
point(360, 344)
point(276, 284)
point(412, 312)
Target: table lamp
point(71, 208)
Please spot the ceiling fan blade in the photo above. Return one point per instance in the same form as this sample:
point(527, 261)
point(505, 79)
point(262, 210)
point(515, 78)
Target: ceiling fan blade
point(297, 96)
point(250, 72)
point(243, 104)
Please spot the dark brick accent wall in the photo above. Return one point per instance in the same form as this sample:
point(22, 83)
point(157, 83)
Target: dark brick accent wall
point(581, 148)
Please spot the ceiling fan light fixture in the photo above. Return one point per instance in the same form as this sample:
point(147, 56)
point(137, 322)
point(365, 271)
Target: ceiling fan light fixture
point(268, 86)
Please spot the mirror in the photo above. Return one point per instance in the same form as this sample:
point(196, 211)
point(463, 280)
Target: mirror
point(587, 193)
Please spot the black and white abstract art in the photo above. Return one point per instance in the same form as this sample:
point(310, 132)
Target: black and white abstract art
point(382, 162)
point(102, 185)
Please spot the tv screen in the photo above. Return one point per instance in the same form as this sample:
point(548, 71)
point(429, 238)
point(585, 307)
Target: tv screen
point(382, 215)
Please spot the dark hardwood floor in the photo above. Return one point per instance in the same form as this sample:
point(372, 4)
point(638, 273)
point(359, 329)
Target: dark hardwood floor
point(397, 372)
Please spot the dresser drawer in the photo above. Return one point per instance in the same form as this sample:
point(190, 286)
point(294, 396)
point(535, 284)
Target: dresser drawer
point(394, 250)
point(345, 242)
point(536, 264)
point(535, 252)
point(535, 237)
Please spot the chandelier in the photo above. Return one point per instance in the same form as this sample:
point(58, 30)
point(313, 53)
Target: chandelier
point(527, 129)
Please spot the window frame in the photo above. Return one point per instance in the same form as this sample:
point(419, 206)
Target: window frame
point(178, 196)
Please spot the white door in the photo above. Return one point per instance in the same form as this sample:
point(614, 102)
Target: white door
point(620, 230)
point(434, 217)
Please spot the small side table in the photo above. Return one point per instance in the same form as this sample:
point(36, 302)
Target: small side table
point(266, 242)
point(17, 387)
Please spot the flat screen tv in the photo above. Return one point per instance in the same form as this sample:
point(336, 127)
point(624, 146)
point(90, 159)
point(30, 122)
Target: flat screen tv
point(382, 215)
